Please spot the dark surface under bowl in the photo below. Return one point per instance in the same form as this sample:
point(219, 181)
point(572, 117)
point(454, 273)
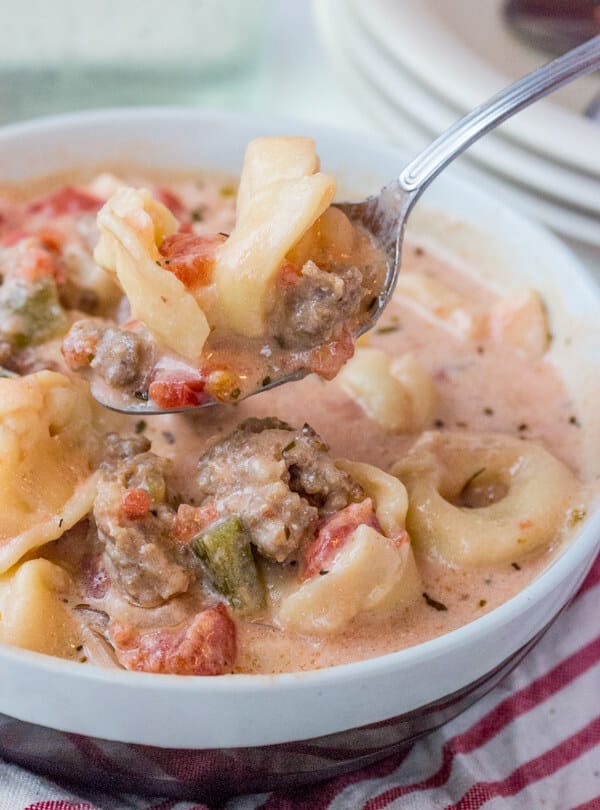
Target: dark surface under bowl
point(215, 774)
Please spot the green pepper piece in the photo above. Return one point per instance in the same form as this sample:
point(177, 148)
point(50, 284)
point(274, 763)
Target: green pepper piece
point(30, 312)
point(225, 550)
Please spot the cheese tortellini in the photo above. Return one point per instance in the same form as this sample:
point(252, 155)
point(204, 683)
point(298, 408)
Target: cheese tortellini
point(483, 498)
point(47, 447)
point(33, 614)
point(132, 226)
point(438, 302)
point(371, 571)
point(521, 320)
point(282, 193)
point(396, 392)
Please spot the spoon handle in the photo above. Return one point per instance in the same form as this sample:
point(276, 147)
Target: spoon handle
point(415, 178)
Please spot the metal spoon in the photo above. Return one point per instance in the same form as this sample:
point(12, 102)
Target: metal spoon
point(385, 215)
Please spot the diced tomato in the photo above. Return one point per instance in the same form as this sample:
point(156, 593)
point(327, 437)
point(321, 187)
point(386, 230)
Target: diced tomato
point(205, 645)
point(334, 533)
point(172, 202)
point(192, 519)
point(36, 263)
point(13, 237)
point(51, 239)
point(171, 394)
point(79, 348)
point(288, 274)
point(327, 360)
point(190, 257)
point(135, 504)
point(67, 200)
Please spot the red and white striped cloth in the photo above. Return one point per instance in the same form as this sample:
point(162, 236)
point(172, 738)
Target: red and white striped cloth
point(534, 742)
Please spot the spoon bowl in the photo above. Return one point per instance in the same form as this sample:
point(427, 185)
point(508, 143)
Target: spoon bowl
point(385, 215)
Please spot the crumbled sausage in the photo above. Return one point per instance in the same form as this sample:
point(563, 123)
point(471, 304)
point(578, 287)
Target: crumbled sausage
point(145, 561)
point(278, 480)
point(314, 309)
point(122, 358)
point(314, 475)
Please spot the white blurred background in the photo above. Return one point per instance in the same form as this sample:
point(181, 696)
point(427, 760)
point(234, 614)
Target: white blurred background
point(398, 71)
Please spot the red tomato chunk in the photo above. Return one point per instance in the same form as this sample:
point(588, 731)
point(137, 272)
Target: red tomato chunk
point(334, 533)
point(169, 394)
point(206, 645)
point(190, 257)
point(67, 200)
point(136, 504)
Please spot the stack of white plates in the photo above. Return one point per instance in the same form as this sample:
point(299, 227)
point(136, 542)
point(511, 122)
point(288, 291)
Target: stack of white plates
point(416, 66)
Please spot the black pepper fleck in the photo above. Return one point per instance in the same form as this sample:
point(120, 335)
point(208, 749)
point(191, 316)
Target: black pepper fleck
point(140, 426)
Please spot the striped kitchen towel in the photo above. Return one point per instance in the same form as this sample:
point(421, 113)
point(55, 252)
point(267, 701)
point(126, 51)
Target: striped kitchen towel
point(534, 742)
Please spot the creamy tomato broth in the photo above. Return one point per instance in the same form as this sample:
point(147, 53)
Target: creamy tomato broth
point(315, 524)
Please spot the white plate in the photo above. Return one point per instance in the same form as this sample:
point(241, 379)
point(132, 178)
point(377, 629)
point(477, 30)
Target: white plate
point(567, 187)
point(404, 130)
point(441, 43)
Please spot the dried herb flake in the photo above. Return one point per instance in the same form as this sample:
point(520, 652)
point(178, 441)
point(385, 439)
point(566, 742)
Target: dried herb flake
point(433, 603)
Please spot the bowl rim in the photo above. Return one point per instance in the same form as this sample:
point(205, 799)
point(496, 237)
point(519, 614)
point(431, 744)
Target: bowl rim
point(574, 555)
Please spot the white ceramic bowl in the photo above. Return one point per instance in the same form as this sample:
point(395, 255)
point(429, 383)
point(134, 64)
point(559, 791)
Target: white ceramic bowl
point(243, 732)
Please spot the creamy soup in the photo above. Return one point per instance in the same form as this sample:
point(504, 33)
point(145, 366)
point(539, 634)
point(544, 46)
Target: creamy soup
point(318, 523)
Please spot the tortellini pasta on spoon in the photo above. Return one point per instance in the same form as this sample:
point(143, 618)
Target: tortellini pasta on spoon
point(216, 317)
